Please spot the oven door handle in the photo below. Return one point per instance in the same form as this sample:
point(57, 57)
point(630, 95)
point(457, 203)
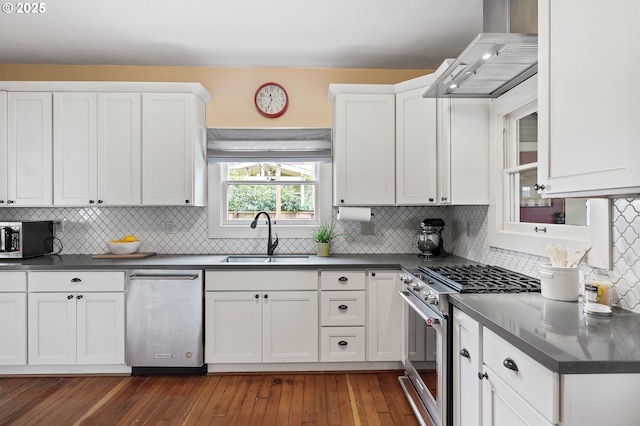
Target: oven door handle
point(425, 316)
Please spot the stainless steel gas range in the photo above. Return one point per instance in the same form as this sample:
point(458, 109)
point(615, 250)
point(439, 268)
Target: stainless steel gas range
point(428, 336)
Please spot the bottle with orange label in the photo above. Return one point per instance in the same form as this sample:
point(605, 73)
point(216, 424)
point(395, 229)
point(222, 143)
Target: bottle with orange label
point(597, 287)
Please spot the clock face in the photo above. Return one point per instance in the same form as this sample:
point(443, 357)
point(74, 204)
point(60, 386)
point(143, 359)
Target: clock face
point(271, 100)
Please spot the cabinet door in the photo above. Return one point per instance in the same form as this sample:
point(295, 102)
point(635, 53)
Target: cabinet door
point(167, 148)
point(233, 332)
point(416, 152)
point(588, 138)
point(384, 321)
point(52, 328)
point(502, 406)
point(463, 151)
point(100, 331)
point(364, 148)
point(119, 149)
point(75, 145)
point(3, 149)
point(13, 328)
point(467, 363)
point(29, 149)
point(290, 326)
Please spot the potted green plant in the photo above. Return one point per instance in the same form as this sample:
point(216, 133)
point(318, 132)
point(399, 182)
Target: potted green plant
point(323, 235)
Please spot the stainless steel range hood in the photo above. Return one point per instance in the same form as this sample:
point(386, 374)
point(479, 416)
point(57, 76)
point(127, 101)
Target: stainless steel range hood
point(494, 62)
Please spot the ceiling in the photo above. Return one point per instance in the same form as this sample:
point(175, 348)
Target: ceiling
point(384, 34)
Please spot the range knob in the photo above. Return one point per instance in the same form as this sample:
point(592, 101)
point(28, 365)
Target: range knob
point(416, 286)
point(406, 278)
point(432, 299)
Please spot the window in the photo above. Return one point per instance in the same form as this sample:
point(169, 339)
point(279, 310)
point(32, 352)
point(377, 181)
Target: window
point(520, 218)
point(283, 171)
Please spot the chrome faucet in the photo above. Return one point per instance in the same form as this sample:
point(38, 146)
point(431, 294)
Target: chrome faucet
point(270, 246)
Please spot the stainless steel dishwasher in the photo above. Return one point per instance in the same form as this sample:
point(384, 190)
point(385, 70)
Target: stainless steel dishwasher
point(165, 322)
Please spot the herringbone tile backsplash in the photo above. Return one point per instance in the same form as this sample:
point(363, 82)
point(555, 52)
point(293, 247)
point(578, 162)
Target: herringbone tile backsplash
point(465, 234)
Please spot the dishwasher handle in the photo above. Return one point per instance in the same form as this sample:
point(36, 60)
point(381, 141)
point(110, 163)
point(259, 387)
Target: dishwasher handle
point(161, 277)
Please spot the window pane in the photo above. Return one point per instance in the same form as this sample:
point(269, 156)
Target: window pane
point(528, 139)
point(269, 171)
point(280, 201)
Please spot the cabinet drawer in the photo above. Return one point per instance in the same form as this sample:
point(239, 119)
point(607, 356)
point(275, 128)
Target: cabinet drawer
point(260, 280)
point(342, 280)
point(533, 382)
point(76, 281)
point(342, 344)
point(342, 308)
point(13, 281)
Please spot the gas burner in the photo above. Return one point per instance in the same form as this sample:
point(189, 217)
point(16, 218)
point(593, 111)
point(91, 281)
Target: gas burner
point(482, 279)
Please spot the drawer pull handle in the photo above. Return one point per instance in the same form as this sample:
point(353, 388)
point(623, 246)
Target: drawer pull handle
point(510, 364)
point(343, 279)
point(343, 343)
point(465, 353)
point(483, 376)
point(76, 280)
point(343, 307)
point(69, 297)
point(79, 297)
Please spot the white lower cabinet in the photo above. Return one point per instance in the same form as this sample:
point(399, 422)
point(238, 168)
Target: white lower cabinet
point(13, 318)
point(258, 325)
point(466, 356)
point(384, 320)
point(342, 316)
point(78, 320)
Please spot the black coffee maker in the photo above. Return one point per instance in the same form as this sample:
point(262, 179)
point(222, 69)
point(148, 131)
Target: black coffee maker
point(430, 238)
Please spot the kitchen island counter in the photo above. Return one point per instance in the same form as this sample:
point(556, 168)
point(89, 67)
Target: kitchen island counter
point(558, 334)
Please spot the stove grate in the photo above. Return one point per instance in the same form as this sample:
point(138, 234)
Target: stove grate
point(482, 279)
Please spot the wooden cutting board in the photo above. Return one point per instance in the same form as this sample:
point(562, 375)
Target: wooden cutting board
point(138, 255)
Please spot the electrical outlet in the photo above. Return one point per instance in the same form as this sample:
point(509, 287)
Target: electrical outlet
point(366, 228)
point(170, 228)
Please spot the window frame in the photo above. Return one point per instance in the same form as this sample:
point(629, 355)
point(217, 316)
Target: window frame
point(522, 237)
point(220, 227)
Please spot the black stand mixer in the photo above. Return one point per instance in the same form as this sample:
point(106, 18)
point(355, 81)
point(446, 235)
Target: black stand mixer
point(430, 238)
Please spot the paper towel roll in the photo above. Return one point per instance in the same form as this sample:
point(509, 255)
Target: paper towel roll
point(359, 214)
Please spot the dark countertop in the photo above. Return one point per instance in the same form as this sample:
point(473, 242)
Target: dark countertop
point(182, 261)
point(558, 334)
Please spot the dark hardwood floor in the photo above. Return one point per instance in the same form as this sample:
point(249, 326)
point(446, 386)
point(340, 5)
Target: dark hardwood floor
point(257, 399)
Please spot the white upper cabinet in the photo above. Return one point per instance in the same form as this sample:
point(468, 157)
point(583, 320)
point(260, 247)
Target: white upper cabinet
point(589, 133)
point(463, 151)
point(3, 148)
point(97, 149)
point(173, 149)
point(416, 148)
point(364, 144)
point(119, 149)
point(29, 150)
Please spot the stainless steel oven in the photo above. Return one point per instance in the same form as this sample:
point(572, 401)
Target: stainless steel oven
point(428, 340)
point(428, 336)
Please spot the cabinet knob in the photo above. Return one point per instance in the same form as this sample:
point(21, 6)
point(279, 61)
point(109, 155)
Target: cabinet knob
point(465, 353)
point(69, 297)
point(343, 307)
point(186, 201)
point(266, 296)
point(538, 187)
point(10, 202)
point(443, 198)
point(91, 202)
point(79, 297)
point(510, 364)
point(257, 296)
point(483, 376)
point(343, 279)
point(1, 201)
point(76, 280)
point(343, 343)
point(430, 199)
point(100, 201)
point(342, 201)
point(373, 274)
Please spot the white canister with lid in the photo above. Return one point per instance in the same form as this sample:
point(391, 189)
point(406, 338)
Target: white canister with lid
point(559, 283)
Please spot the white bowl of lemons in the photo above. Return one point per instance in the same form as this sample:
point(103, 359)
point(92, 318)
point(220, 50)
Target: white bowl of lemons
point(126, 245)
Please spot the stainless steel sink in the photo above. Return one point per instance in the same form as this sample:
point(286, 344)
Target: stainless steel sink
point(265, 259)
